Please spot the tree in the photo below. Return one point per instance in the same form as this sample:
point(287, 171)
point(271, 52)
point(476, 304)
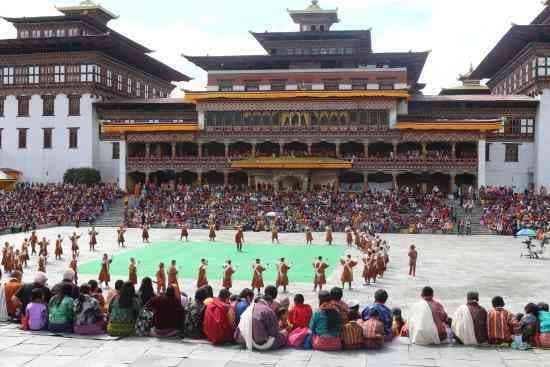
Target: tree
point(78, 176)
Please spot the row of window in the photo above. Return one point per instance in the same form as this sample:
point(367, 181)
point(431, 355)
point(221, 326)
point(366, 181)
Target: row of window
point(47, 138)
point(538, 67)
point(48, 105)
point(83, 73)
point(519, 126)
point(375, 119)
point(315, 51)
point(328, 84)
point(51, 33)
point(511, 152)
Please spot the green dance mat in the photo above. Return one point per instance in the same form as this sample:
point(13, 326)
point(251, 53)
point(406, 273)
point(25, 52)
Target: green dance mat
point(189, 254)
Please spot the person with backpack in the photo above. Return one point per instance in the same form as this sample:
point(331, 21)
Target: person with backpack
point(219, 319)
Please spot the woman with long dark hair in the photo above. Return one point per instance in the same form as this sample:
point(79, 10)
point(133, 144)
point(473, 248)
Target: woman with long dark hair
point(326, 325)
point(167, 314)
point(60, 310)
point(146, 291)
point(123, 312)
point(89, 319)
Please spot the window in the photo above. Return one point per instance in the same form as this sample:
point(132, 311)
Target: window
point(22, 138)
point(278, 85)
point(527, 126)
point(8, 75)
point(73, 32)
point(305, 86)
point(74, 105)
point(59, 73)
point(386, 85)
point(138, 89)
point(129, 86)
point(332, 84)
point(511, 153)
point(154, 92)
point(226, 86)
point(116, 150)
point(543, 68)
point(348, 51)
point(487, 152)
point(97, 74)
point(359, 84)
point(119, 82)
point(251, 86)
point(33, 74)
point(24, 34)
point(73, 138)
point(88, 73)
point(512, 126)
point(48, 33)
point(48, 105)
point(2, 100)
point(23, 106)
point(1, 138)
point(109, 78)
point(146, 93)
point(36, 33)
point(72, 73)
point(47, 138)
point(60, 33)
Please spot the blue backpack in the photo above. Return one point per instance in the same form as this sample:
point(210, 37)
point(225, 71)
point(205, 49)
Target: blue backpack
point(544, 319)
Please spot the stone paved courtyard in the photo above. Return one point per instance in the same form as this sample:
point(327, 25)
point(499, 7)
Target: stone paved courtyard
point(452, 265)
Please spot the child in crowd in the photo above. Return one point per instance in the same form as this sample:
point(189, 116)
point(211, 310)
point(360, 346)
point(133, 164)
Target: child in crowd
point(398, 324)
point(528, 324)
point(37, 311)
point(282, 315)
point(353, 313)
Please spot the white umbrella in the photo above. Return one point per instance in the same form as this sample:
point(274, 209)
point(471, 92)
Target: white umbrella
point(271, 214)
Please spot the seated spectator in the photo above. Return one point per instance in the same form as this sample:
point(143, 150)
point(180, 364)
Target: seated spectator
point(272, 292)
point(373, 330)
point(500, 323)
point(529, 324)
point(245, 299)
point(219, 319)
point(60, 311)
point(194, 315)
point(11, 288)
point(352, 335)
point(354, 314)
point(259, 327)
point(326, 325)
point(167, 314)
point(123, 312)
point(146, 291)
point(336, 294)
point(300, 314)
point(544, 325)
point(96, 293)
point(113, 293)
point(37, 311)
point(384, 313)
point(68, 278)
point(469, 323)
point(427, 320)
point(89, 319)
point(398, 323)
point(23, 295)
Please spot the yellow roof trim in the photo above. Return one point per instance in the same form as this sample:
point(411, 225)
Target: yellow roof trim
point(451, 125)
point(113, 129)
point(292, 163)
point(201, 96)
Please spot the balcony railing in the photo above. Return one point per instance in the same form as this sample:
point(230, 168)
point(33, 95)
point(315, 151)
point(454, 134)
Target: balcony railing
point(417, 163)
point(166, 163)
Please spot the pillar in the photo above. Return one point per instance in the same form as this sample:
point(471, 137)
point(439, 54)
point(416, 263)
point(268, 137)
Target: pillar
point(122, 166)
point(452, 181)
point(147, 176)
point(481, 163)
point(281, 148)
point(147, 150)
point(250, 181)
point(424, 150)
point(199, 177)
point(366, 150)
point(453, 151)
point(394, 150)
point(173, 150)
point(199, 149)
point(253, 150)
point(337, 149)
point(394, 178)
point(365, 181)
point(309, 148)
point(226, 145)
point(225, 178)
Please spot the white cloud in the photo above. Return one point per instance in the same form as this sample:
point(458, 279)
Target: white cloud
point(457, 32)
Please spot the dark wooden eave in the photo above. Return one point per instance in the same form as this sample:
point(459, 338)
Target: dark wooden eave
point(108, 43)
point(543, 17)
point(509, 46)
point(413, 61)
point(137, 103)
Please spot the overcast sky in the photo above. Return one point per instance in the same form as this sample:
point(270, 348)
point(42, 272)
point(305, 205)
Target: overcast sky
point(456, 32)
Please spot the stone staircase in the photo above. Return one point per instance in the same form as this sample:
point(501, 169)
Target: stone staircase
point(475, 215)
point(112, 217)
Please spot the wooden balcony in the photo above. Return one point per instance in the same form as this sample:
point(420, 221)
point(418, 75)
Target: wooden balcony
point(415, 164)
point(176, 164)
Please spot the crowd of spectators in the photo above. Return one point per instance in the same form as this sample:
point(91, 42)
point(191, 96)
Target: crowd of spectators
point(32, 205)
point(505, 212)
point(383, 212)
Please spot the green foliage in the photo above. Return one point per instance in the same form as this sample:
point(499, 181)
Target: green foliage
point(85, 176)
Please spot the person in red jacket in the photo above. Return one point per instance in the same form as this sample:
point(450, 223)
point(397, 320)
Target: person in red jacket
point(299, 315)
point(219, 319)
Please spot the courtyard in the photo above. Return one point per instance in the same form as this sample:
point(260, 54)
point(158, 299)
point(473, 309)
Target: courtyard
point(452, 265)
